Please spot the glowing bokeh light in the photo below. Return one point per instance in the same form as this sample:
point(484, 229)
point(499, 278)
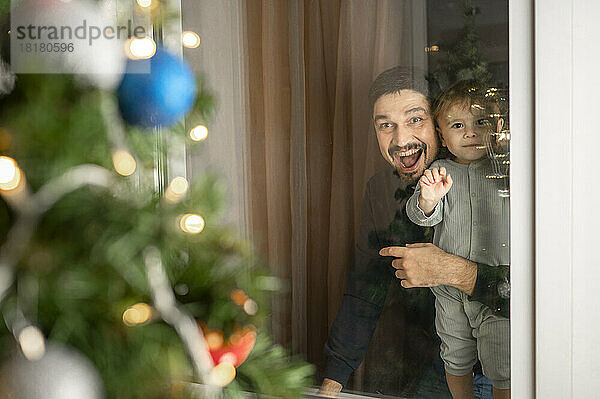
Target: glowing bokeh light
point(239, 297)
point(179, 185)
point(137, 314)
point(199, 133)
point(190, 39)
point(124, 163)
point(191, 223)
point(176, 189)
point(10, 174)
point(141, 48)
point(222, 374)
point(214, 340)
point(250, 307)
point(32, 343)
point(144, 3)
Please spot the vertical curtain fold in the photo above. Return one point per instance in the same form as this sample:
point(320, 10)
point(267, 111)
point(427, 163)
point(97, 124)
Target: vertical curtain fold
point(276, 85)
point(299, 181)
point(319, 59)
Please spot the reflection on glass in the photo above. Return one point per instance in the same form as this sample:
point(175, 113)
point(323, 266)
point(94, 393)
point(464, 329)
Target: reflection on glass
point(459, 197)
point(330, 159)
point(498, 141)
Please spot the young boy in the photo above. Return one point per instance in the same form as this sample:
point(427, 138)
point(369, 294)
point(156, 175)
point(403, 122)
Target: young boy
point(460, 196)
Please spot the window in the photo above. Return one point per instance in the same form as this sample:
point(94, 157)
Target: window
point(294, 80)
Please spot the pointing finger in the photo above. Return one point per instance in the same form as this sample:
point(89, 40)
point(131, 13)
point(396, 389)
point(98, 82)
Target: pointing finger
point(393, 251)
point(418, 245)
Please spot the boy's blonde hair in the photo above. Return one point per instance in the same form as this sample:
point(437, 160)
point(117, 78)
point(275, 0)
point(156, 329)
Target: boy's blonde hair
point(470, 94)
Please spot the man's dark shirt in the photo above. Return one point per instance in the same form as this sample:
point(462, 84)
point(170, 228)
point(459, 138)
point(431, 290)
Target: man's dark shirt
point(384, 223)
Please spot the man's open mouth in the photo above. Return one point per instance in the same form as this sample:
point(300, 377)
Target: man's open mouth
point(408, 159)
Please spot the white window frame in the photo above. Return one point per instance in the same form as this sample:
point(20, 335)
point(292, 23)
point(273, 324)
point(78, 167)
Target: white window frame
point(564, 361)
point(553, 57)
point(521, 83)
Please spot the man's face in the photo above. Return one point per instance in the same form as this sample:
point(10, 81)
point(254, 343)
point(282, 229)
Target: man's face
point(405, 132)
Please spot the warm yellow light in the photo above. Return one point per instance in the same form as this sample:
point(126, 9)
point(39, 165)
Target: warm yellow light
point(176, 189)
point(144, 3)
point(239, 297)
point(179, 185)
point(214, 340)
point(32, 343)
point(137, 314)
point(199, 133)
point(190, 39)
point(124, 163)
point(250, 307)
point(222, 374)
point(140, 48)
point(191, 223)
point(10, 174)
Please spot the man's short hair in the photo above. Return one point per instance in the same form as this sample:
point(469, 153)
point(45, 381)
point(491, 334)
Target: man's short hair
point(394, 80)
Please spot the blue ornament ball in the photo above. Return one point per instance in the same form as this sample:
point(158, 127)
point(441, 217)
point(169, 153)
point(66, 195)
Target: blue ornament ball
point(156, 92)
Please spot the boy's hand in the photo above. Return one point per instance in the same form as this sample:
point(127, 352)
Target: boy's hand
point(435, 183)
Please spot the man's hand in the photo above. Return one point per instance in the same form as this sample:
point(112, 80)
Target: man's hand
point(425, 265)
point(434, 185)
point(330, 388)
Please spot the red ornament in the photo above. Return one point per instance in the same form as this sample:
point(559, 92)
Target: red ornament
point(235, 350)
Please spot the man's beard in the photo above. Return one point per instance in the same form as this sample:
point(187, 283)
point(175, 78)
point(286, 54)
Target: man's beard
point(410, 178)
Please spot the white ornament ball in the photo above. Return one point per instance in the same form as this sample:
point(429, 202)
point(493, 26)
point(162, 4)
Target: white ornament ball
point(62, 373)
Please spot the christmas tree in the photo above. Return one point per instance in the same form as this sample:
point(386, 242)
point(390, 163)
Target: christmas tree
point(112, 284)
point(463, 62)
point(462, 59)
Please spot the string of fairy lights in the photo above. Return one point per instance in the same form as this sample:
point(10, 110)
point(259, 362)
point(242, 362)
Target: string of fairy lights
point(497, 143)
point(29, 208)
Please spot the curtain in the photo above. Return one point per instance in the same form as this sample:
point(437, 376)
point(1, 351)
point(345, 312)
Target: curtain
point(310, 142)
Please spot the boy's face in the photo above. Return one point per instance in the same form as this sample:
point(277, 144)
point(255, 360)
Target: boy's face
point(465, 129)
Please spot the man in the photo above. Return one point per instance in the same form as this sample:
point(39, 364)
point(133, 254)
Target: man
point(407, 141)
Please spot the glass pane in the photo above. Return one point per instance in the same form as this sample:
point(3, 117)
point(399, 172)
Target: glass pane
point(331, 113)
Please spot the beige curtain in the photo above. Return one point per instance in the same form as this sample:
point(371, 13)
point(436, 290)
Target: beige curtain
point(311, 144)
